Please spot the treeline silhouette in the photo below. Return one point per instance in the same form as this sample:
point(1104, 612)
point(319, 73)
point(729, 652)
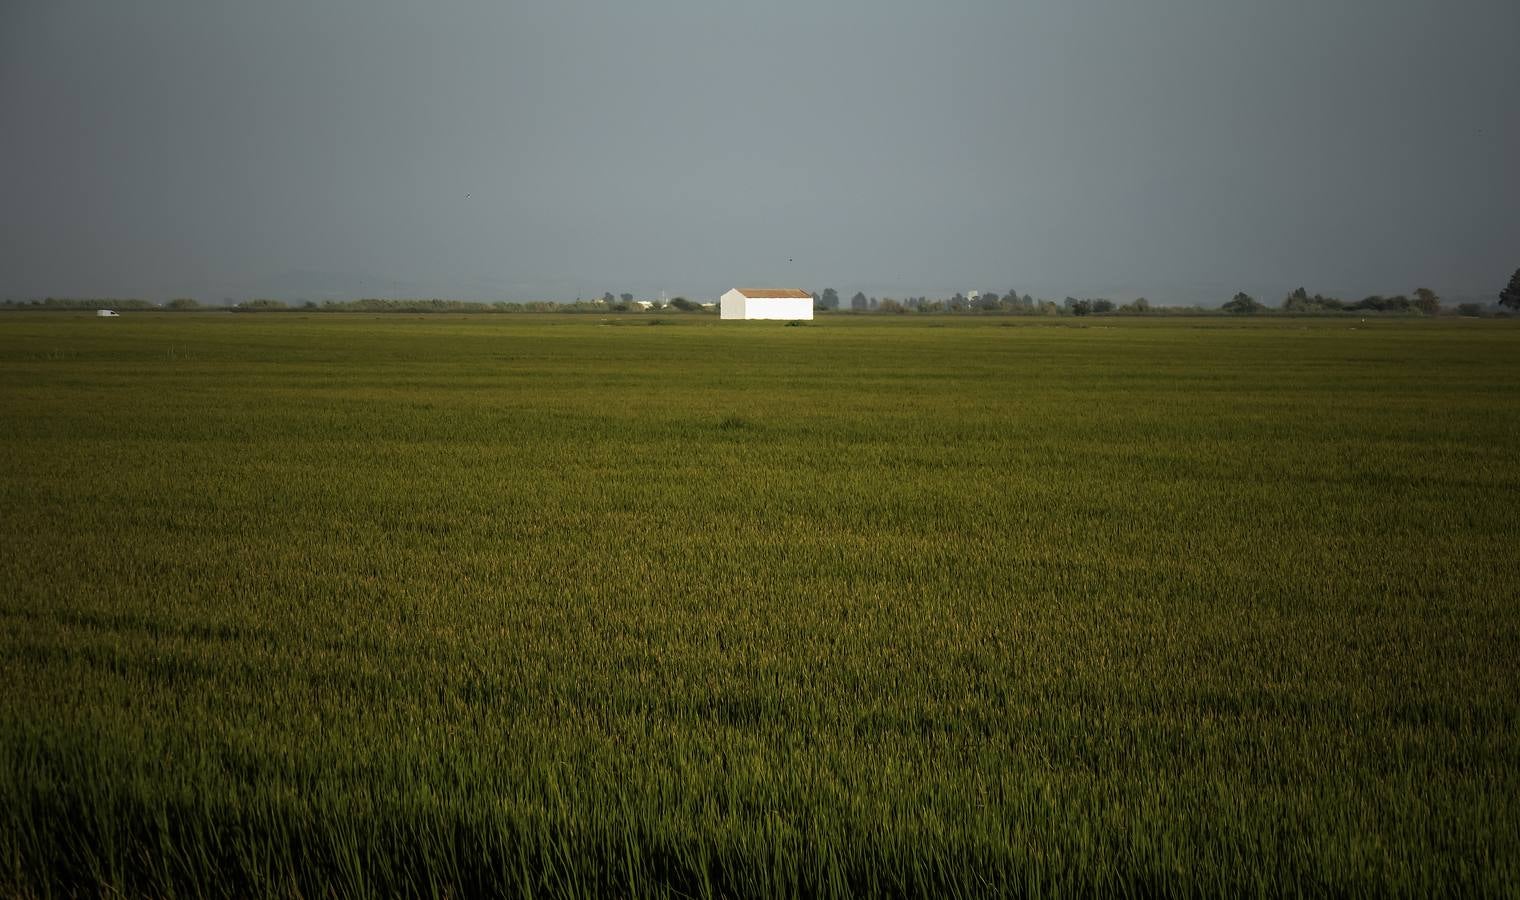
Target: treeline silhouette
point(1421, 302)
point(363, 305)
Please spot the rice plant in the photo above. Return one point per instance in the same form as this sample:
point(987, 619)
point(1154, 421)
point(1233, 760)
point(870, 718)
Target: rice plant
point(463, 606)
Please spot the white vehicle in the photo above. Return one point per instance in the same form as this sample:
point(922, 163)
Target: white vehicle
point(105, 313)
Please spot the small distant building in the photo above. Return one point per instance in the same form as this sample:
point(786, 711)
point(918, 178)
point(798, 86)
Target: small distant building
point(766, 303)
point(105, 313)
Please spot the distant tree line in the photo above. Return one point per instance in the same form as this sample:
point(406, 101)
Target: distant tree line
point(363, 305)
point(1422, 301)
point(80, 303)
point(976, 301)
point(608, 303)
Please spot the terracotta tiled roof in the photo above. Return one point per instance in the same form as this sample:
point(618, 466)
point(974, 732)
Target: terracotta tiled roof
point(774, 293)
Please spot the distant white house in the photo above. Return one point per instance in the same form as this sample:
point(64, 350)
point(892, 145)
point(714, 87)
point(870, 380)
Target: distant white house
point(105, 313)
point(766, 303)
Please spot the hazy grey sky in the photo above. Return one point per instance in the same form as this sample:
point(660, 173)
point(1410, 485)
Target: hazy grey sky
point(1181, 149)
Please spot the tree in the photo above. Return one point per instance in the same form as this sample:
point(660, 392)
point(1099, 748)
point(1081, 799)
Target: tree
point(1243, 304)
point(183, 303)
point(683, 304)
point(830, 299)
point(1426, 301)
point(1014, 303)
point(626, 298)
point(608, 299)
point(1510, 296)
point(1379, 303)
point(1103, 306)
point(858, 302)
point(1300, 302)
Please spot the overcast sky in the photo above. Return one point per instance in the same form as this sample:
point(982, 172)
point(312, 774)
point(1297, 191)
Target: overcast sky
point(1177, 149)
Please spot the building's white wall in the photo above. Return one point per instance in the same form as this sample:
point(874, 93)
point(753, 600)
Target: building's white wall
point(731, 305)
point(778, 308)
point(734, 305)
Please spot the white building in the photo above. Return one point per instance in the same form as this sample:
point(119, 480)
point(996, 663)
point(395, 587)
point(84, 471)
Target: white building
point(766, 303)
point(105, 313)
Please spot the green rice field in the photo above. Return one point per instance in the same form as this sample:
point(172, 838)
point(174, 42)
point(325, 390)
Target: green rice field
point(368, 606)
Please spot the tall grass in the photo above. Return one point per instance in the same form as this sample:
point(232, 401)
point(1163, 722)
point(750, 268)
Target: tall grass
point(455, 607)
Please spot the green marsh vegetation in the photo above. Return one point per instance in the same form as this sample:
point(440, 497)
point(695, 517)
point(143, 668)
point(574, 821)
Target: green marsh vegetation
point(449, 606)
